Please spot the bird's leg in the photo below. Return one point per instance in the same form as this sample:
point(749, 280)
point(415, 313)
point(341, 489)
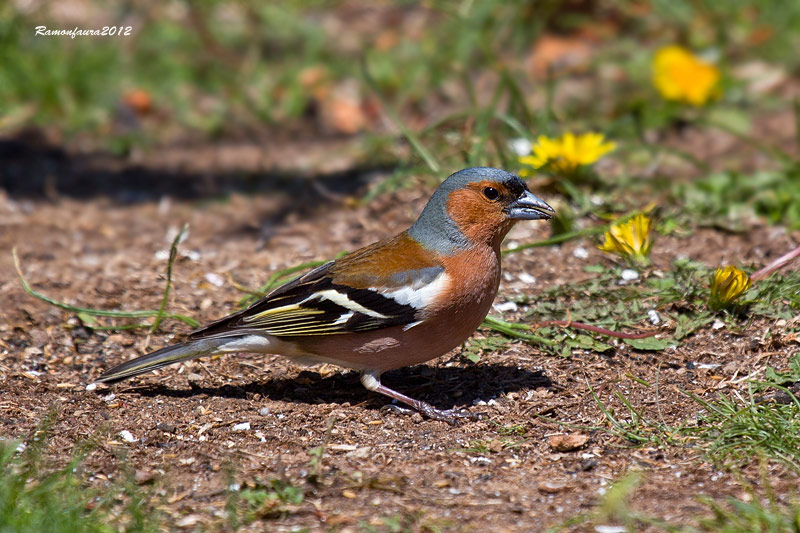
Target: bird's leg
point(372, 382)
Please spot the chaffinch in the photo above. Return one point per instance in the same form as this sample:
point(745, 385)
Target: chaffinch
point(394, 303)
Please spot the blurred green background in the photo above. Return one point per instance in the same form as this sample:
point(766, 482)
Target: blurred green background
point(210, 68)
point(422, 88)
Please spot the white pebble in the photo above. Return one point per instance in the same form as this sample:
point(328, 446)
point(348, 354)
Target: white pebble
point(610, 529)
point(109, 397)
point(718, 324)
point(244, 426)
point(524, 277)
point(580, 252)
point(629, 274)
point(264, 411)
point(127, 436)
point(214, 279)
point(652, 314)
point(506, 306)
point(91, 386)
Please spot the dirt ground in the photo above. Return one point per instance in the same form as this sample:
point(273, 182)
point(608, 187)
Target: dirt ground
point(95, 234)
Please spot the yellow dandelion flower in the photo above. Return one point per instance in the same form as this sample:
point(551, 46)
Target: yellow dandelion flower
point(630, 239)
point(681, 76)
point(566, 154)
point(728, 284)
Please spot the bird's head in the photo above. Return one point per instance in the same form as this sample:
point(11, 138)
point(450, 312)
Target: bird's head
point(476, 205)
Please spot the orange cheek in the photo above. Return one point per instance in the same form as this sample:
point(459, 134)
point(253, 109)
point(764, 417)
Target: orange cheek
point(478, 219)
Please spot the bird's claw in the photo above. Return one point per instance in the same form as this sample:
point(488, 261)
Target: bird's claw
point(451, 416)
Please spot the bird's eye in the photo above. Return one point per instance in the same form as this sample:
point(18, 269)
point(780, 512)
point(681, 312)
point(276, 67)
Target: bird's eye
point(491, 193)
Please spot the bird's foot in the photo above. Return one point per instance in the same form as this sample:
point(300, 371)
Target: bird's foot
point(451, 416)
point(371, 380)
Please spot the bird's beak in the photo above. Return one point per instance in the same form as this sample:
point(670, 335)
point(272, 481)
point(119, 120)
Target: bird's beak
point(529, 207)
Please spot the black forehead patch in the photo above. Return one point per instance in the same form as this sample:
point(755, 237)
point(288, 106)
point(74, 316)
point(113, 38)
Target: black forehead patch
point(515, 186)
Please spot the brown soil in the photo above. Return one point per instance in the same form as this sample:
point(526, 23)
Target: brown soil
point(95, 244)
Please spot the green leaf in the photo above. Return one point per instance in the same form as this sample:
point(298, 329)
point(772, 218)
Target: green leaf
point(586, 342)
point(594, 269)
point(649, 343)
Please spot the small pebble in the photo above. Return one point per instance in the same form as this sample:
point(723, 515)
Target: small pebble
point(718, 324)
point(215, 279)
point(506, 306)
point(143, 476)
point(580, 252)
point(244, 426)
point(524, 277)
point(264, 411)
point(610, 529)
point(127, 436)
point(629, 274)
point(652, 314)
point(91, 386)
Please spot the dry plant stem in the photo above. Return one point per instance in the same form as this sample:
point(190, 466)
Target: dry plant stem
point(96, 312)
point(778, 264)
point(596, 329)
point(173, 253)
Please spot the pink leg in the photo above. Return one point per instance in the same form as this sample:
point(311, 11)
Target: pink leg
point(372, 382)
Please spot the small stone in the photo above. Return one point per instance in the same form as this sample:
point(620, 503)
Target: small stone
point(127, 436)
point(506, 306)
point(264, 411)
point(652, 314)
point(567, 443)
point(215, 279)
point(629, 274)
point(362, 452)
point(143, 476)
point(244, 426)
point(524, 277)
point(91, 386)
point(552, 486)
point(718, 324)
point(189, 520)
point(167, 428)
point(580, 253)
point(610, 529)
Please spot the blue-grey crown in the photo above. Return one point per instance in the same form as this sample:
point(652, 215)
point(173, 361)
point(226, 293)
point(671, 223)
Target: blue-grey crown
point(434, 229)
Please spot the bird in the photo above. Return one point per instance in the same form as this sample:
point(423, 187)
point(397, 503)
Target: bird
point(398, 302)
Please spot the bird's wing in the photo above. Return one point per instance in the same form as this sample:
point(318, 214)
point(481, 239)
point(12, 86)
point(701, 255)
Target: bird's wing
point(366, 290)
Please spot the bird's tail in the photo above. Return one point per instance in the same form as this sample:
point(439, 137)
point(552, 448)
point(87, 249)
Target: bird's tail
point(173, 354)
